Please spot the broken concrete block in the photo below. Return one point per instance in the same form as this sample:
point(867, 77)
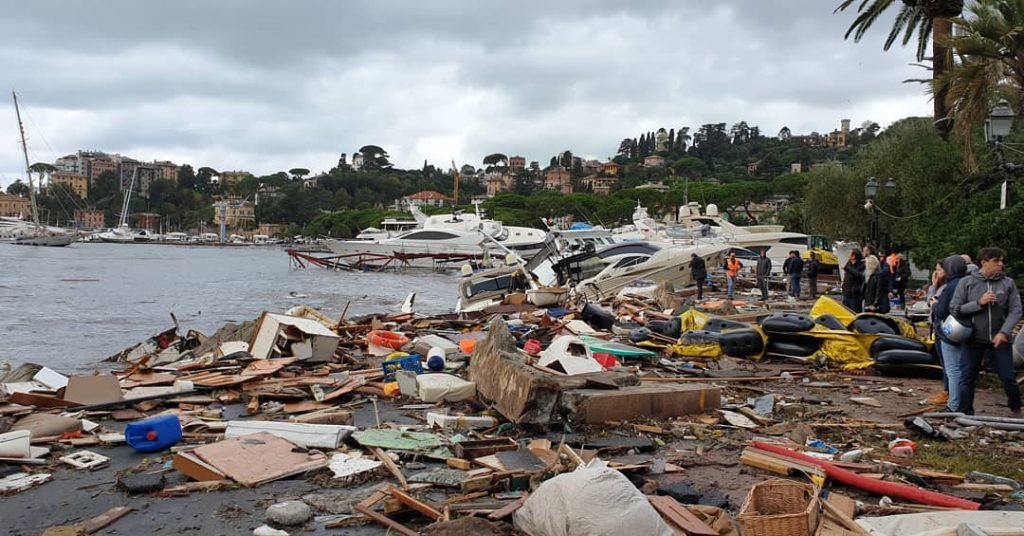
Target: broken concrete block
point(141, 483)
point(266, 530)
point(289, 513)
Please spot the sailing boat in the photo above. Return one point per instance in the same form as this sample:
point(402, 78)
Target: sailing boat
point(37, 234)
point(123, 233)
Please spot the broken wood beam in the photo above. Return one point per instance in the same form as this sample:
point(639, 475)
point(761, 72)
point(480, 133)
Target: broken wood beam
point(415, 504)
point(390, 465)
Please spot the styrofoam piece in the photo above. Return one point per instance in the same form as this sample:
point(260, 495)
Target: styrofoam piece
point(16, 444)
point(571, 355)
point(434, 387)
point(307, 435)
point(51, 378)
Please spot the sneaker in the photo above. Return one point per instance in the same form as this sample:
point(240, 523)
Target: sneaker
point(938, 398)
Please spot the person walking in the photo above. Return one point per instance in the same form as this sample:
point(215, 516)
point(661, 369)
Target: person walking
point(812, 275)
point(853, 282)
point(954, 269)
point(763, 271)
point(732, 271)
point(700, 273)
point(796, 268)
point(876, 287)
point(990, 302)
point(900, 279)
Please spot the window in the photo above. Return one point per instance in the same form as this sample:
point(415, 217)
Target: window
point(630, 261)
point(796, 240)
point(640, 248)
point(429, 235)
point(497, 284)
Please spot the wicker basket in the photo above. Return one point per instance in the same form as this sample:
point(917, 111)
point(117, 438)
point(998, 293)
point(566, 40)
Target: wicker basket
point(779, 508)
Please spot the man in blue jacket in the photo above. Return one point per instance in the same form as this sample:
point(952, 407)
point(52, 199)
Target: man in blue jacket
point(990, 302)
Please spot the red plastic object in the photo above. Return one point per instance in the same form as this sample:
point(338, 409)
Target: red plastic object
point(532, 346)
point(892, 489)
point(151, 435)
point(606, 360)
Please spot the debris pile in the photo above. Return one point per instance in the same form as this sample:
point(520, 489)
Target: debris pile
point(602, 418)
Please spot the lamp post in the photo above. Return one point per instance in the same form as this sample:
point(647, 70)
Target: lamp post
point(871, 192)
point(997, 128)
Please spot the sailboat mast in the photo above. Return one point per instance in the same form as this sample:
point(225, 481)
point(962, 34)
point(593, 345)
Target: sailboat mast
point(28, 170)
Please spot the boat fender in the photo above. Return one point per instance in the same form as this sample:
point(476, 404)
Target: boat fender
point(722, 325)
point(871, 325)
point(640, 335)
point(786, 348)
point(896, 343)
point(700, 337)
point(904, 357)
point(830, 322)
point(742, 343)
point(597, 317)
point(806, 341)
point(787, 323)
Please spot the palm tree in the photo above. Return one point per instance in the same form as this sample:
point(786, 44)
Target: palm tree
point(989, 47)
point(928, 19)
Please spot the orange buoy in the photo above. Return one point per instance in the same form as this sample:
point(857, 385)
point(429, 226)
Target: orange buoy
point(387, 339)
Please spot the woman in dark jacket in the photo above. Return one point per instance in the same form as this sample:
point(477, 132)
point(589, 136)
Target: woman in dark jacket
point(876, 289)
point(853, 282)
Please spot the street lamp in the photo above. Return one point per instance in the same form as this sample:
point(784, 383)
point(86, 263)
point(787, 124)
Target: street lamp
point(997, 127)
point(870, 192)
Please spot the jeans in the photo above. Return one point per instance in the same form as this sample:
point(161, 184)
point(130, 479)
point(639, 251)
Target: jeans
point(812, 285)
point(854, 304)
point(971, 356)
point(794, 285)
point(762, 285)
point(700, 288)
point(731, 280)
point(952, 369)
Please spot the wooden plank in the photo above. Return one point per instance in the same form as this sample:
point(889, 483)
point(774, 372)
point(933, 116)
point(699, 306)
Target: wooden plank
point(460, 464)
point(106, 518)
point(984, 487)
point(366, 508)
point(390, 465)
point(414, 503)
point(509, 509)
point(680, 516)
point(846, 521)
point(257, 458)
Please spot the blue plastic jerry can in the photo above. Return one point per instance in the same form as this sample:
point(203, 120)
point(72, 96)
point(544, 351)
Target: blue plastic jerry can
point(154, 433)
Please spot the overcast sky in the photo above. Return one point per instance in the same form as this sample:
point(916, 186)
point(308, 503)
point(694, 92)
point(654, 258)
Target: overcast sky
point(265, 85)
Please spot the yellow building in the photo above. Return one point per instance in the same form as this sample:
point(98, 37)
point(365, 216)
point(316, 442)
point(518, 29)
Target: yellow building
point(12, 206)
point(238, 214)
point(73, 181)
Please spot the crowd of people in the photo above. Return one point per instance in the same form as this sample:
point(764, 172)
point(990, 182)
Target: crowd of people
point(974, 310)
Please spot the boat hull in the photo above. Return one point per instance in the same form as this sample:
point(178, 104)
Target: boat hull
point(54, 241)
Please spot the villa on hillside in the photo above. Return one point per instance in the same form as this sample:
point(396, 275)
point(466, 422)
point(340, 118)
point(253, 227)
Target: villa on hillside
point(425, 198)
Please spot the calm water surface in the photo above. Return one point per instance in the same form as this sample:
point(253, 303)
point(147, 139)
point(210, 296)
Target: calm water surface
point(68, 308)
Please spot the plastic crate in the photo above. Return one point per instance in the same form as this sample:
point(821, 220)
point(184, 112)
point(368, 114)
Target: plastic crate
point(409, 362)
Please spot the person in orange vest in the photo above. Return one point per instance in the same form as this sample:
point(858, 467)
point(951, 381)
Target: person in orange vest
point(732, 271)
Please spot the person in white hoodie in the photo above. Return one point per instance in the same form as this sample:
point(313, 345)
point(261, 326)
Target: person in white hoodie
point(989, 301)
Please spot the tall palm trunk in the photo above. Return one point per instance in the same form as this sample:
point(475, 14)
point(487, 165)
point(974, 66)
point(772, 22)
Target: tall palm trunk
point(942, 60)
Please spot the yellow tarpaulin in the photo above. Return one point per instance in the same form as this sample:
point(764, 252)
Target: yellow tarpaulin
point(828, 306)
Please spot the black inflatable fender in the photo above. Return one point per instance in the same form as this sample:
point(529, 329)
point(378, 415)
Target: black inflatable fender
point(872, 325)
point(786, 323)
point(792, 348)
point(640, 334)
point(891, 342)
point(597, 317)
point(722, 325)
point(700, 337)
point(830, 322)
point(904, 357)
point(747, 342)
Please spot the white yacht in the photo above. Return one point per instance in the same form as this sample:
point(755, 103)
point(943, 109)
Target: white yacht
point(123, 233)
point(440, 238)
point(709, 227)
